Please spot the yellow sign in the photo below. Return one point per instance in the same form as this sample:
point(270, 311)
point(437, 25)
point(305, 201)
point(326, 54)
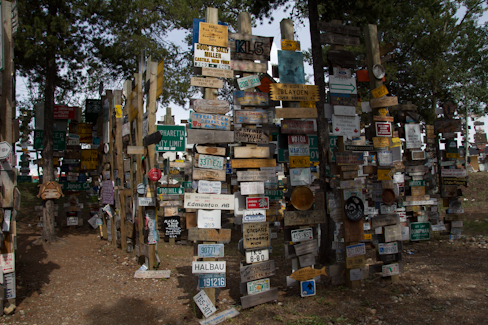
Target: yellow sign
point(89, 159)
point(118, 111)
point(417, 190)
point(159, 79)
point(381, 142)
point(299, 161)
point(453, 155)
point(293, 92)
point(382, 111)
point(307, 104)
point(355, 262)
point(289, 45)
point(379, 92)
point(368, 236)
point(385, 174)
point(213, 34)
point(395, 142)
point(85, 128)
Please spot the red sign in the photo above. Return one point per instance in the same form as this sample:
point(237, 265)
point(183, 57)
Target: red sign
point(297, 139)
point(257, 202)
point(383, 129)
point(154, 174)
point(63, 112)
point(266, 80)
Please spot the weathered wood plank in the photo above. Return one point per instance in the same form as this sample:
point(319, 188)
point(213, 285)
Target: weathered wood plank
point(209, 136)
point(209, 174)
point(211, 106)
point(257, 271)
point(296, 112)
point(205, 234)
point(249, 47)
point(249, 176)
point(307, 247)
point(253, 163)
point(246, 135)
point(248, 66)
point(217, 151)
point(259, 298)
point(384, 101)
point(331, 38)
point(339, 28)
point(299, 218)
point(213, 72)
point(251, 152)
point(210, 121)
point(206, 82)
point(152, 274)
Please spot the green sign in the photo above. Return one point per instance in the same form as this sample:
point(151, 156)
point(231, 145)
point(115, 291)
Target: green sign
point(72, 186)
point(173, 138)
point(59, 140)
point(451, 146)
point(24, 179)
point(186, 184)
point(419, 231)
point(282, 155)
point(171, 190)
point(416, 183)
point(274, 195)
point(24, 164)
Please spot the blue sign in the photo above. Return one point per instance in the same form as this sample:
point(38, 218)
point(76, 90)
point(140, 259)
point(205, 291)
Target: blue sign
point(307, 288)
point(210, 250)
point(290, 67)
point(211, 280)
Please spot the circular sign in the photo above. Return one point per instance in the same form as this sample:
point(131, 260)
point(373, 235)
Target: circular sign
point(154, 174)
point(106, 148)
point(141, 188)
point(354, 208)
point(388, 196)
point(378, 71)
point(302, 198)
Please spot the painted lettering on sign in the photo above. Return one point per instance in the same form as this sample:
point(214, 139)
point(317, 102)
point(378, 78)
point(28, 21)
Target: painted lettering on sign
point(211, 56)
point(208, 267)
point(255, 235)
point(250, 47)
point(296, 126)
point(257, 203)
point(250, 116)
point(258, 255)
point(210, 121)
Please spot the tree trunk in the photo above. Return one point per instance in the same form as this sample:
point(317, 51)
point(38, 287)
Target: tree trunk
point(47, 152)
point(327, 228)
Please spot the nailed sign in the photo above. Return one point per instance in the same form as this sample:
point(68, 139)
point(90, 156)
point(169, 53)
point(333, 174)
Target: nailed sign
point(342, 85)
point(247, 98)
point(210, 121)
point(257, 203)
point(298, 235)
point(250, 47)
point(211, 106)
point(299, 218)
point(173, 138)
point(211, 56)
point(248, 82)
point(213, 34)
point(253, 175)
point(217, 235)
point(292, 92)
point(296, 126)
point(209, 201)
point(251, 136)
point(345, 125)
point(212, 162)
point(257, 271)
point(255, 235)
point(248, 116)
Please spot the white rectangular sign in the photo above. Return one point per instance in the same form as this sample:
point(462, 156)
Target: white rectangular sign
point(72, 221)
point(208, 56)
point(454, 173)
point(249, 188)
point(390, 269)
point(147, 201)
point(259, 255)
point(209, 201)
point(346, 125)
point(389, 248)
point(208, 267)
point(254, 215)
point(413, 136)
point(342, 85)
point(248, 82)
point(204, 303)
point(209, 219)
point(209, 187)
point(298, 235)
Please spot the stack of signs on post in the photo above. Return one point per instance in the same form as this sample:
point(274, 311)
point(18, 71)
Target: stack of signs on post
point(253, 166)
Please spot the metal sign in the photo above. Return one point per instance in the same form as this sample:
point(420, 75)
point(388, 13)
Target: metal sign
point(342, 85)
point(211, 280)
point(291, 67)
point(258, 255)
point(210, 250)
point(254, 215)
point(258, 286)
point(212, 162)
point(419, 231)
point(356, 250)
point(387, 248)
point(248, 82)
point(257, 203)
point(59, 140)
point(204, 303)
point(173, 138)
point(307, 288)
point(209, 121)
point(170, 190)
point(5, 150)
point(298, 235)
point(209, 201)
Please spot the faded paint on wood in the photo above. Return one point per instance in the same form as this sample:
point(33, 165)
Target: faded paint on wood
point(247, 66)
point(251, 152)
point(214, 235)
point(253, 163)
point(217, 151)
point(211, 106)
point(206, 82)
point(249, 47)
point(246, 135)
point(209, 174)
point(209, 136)
point(257, 271)
point(384, 101)
point(259, 298)
point(299, 218)
point(296, 112)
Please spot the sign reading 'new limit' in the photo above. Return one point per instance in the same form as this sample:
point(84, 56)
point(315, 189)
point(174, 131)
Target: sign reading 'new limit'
point(173, 138)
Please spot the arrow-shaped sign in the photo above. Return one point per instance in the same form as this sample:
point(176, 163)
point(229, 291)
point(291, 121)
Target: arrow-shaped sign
point(342, 85)
point(310, 286)
point(349, 88)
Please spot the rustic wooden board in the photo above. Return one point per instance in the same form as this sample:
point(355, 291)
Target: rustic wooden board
point(222, 73)
point(339, 39)
point(152, 274)
point(179, 164)
point(209, 136)
point(257, 271)
point(246, 135)
point(306, 260)
point(217, 151)
point(307, 247)
point(249, 47)
point(250, 116)
point(296, 112)
point(208, 174)
point(252, 163)
point(299, 218)
point(191, 219)
point(211, 106)
point(213, 34)
point(251, 152)
point(255, 235)
point(296, 126)
point(447, 126)
point(339, 28)
point(204, 234)
point(292, 92)
point(383, 101)
point(210, 121)
point(206, 82)
point(247, 66)
point(345, 59)
point(254, 175)
point(259, 298)
point(135, 150)
point(385, 220)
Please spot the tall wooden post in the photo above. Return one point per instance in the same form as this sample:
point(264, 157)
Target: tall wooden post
point(117, 104)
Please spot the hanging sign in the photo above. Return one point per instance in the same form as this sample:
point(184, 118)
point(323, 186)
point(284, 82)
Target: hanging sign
point(254, 215)
point(250, 47)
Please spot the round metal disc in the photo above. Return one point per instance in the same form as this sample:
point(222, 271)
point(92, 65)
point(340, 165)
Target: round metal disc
point(388, 196)
point(354, 208)
point(302, 198)
point(378, 71)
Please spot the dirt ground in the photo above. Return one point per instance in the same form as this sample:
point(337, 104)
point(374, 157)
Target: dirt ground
point(83, 280)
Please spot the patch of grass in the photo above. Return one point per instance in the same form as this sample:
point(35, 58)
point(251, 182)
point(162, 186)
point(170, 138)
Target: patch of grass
point(278, 318)
point(473, 228)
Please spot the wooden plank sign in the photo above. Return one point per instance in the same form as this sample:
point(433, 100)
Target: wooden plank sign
point(209, 136)
point(296, 112)
point(211, 106)
point(209, 201)
point(296, 126)
point(206, 82)
point(343, 99)
point(255, 235)
point(339, 28)
point(214, 235)
point(247, 66)
point(349, 158)
point(221, 73)
point(152, 274)
point(251, 116)
point(211, 162)
point(217, 151)
point(209, 174)
point(299, 218)
point(246, 135)
point(213, 34)
point(384, 101)
point(331, 38)
point(259, 298)
point(250, 47)
point(253, 163)
point(210, 121)
point(307, 273)
point(248, 82)
point(257, 271)
point(253, 175)
point(292, 92)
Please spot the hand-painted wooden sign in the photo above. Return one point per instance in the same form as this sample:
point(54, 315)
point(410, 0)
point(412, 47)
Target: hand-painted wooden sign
point(299, 161)
point(294, 92)
point(250, 47)
point(255, 235)
point(290, 67)
point(253, 163)
point(221, 73)
point(248, 82)
point(204, 303)
point(209, 136)
point(246, 135)
point(447, 126)
point(290, 45)
point(307, 273)
point(342, 85)
point(296, 112)
point(211, 280)
point(250, 116)
point(209, 219)
point(246, 98)
point(248, 66)
point(257, 203)
point(454, 181)
point(383, 129)
point(253, 175)
point(210, 250)
point(209, 201)
point(206, 82)
point(296, 126)
point(385, 220)
point(339, 28)
point(254, 215)
point(210, 121)
point(257, 271)
point(172, 226)
point(384, 101)
point(211, 106)
point(258, 255)
point(213, 34)
point(208, 174)
point(343, 99)
point(349, 158)
point(331, 38)
point(216, 235)
point(298, 235)
point(211, 162)
point(300, 218)
point(306, 247)
point(346, 125)
point(211, 56)
point(345, 59)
